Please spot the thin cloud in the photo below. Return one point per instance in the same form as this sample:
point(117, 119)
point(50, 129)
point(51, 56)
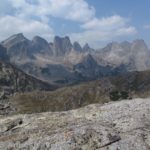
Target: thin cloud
point(146, 26)
point(104, 29)
point(11, 25)
point(111, 22)
point(75, 10)
point(34, 18)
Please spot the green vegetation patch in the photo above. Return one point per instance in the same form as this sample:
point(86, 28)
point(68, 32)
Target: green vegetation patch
point(118, 95)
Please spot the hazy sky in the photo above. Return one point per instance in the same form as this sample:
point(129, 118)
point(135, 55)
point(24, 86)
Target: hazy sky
point(94, 21)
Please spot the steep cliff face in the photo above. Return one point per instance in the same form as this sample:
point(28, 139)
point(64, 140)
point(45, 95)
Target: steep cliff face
point(87, 48)
point(61, 46)
point(40, 46)
point(77, 47)
point(3, 54)
point(117, 125)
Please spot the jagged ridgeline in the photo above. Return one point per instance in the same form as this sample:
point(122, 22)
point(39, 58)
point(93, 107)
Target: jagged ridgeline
point(62, 62)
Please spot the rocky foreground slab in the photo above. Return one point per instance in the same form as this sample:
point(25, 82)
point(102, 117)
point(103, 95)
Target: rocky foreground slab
point(123, 125)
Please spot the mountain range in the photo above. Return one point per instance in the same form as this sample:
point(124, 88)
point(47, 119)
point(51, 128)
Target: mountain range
point(62, 62)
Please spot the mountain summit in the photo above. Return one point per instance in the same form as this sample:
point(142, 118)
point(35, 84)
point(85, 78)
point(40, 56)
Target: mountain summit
point(61, 46)
point(134, 55)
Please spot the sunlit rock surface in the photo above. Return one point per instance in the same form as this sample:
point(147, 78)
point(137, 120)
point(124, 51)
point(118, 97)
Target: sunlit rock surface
point(123, 125)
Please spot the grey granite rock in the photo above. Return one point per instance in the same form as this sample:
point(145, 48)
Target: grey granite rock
point(123, 125)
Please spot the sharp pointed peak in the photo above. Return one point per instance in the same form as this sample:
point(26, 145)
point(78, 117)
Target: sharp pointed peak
point(38, 39)
point(14, 38)
point(87, 48)
point(76, 43)
point(18, 35)
point(86, 45)
point(77, 46)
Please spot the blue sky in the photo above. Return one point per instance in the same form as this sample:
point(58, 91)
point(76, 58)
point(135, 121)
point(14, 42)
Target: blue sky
point(94, 21)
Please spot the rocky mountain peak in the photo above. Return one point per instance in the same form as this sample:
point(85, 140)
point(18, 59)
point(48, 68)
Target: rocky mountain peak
point(113, 47)
point(38, 52)
point(62, 45)
point(86, 47)
point(116, 47)
point(77, 47)
point(139, 44)
point(14, 39)
point(113, 44)
point(38, 39)
point(17, 46)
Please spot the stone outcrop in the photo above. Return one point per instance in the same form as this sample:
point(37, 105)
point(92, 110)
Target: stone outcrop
point(77, 47)
point(120, 125)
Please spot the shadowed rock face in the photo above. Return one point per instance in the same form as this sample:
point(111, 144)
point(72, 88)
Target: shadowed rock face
point(61, 46)
point(3, 54)
point(14, 39)
point(86, 48)
point(77, 47)
point(117, 125)
point(16, 80)
point(17, 47)
point(40, 46)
